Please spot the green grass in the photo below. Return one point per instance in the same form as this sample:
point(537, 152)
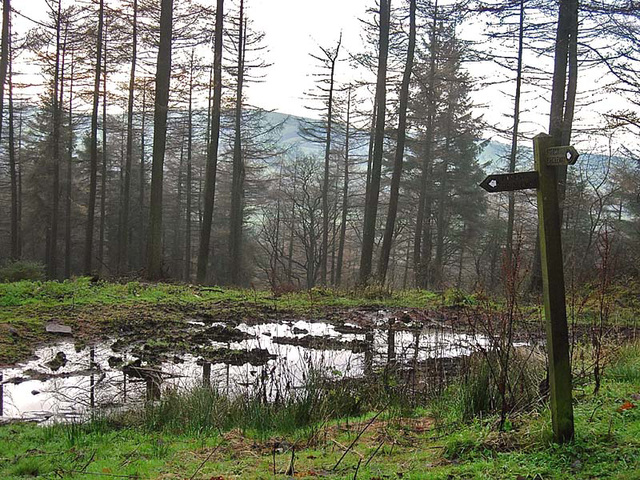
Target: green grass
point(82, 291)
point(395, 445)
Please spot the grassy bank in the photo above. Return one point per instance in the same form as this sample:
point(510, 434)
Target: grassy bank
point(202, 435)
point(98, 308)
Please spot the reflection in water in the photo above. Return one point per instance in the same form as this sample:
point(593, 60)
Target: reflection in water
point(391, 342)
point(92, 381)
point(35, 391)
point(206, 374)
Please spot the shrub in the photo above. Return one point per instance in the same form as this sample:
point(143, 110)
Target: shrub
point(456, 298)
point(22, 270)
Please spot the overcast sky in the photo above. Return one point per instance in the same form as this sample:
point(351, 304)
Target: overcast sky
point(294, 29)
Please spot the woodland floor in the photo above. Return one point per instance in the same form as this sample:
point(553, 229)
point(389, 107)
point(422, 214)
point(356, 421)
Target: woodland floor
point(419, 443)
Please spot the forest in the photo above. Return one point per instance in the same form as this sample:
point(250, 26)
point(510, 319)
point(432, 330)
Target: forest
point(134, 151)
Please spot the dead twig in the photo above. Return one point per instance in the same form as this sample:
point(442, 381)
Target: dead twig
point(355, 475)
point(374, 452)
point(113, 475)
point(291, 469)
point(127, 459)
point(205, 461)
point(369, 423)
point(93, 456)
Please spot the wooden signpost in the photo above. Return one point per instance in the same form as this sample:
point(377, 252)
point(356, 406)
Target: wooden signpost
point(544, 179)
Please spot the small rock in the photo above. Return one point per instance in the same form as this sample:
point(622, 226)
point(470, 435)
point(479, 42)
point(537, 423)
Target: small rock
point(577, 465)
point(52, 327)
point(35, 392)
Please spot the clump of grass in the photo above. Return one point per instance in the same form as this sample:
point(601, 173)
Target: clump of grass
point(626, 365)
point(456, 298)
point(476, 394)
point(320, 399)
point(27, 467)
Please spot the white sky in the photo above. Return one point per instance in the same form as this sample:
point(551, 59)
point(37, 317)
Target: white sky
point(295, 28)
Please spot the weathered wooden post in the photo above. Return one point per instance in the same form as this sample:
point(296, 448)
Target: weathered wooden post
point(547, 158)
point(545, 180)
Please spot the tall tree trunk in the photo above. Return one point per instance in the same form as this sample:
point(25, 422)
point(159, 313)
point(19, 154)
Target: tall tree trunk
point(93, 149)
point(187, 240)
point(421, 245)
point(142, 250)
point(399, 157)
point(163, 77)
point(333, 57)
point(103, 173)
point(438, 267)
point(5, 60)
point(461, 259)
point(334, 225)
point(19, 166)
point(514, 136)
point(293, 225)
point(126, 201)
point(562, 105)
point(176, 258)
point(67, 230)
point(371, 205)
point(237, 182)
point(212, 151)
point(345, 195)
point(372, 135)
point(4, 53)
point(15, 229)
point(52, 254)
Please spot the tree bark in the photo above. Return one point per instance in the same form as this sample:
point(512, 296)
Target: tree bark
point(103, 172)
point(371, 206)
point(212, 150)
point(562, 106)
point(5, 60)
point(332, 57)
point(93, 149)
point(399, 156)
point(69, 181)
point(142, 251)
point(15, 234)
point(187, 256)
point(421, 245)
point(345, 195)
point(126, 194)
point(52, 254)
point(514, 136)
point(237, 182)
point(163, 77)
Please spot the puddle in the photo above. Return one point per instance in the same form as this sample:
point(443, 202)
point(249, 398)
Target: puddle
point(63, 382)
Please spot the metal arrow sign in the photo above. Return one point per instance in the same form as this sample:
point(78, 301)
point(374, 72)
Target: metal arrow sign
point(561, 156)
point(507, 182)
